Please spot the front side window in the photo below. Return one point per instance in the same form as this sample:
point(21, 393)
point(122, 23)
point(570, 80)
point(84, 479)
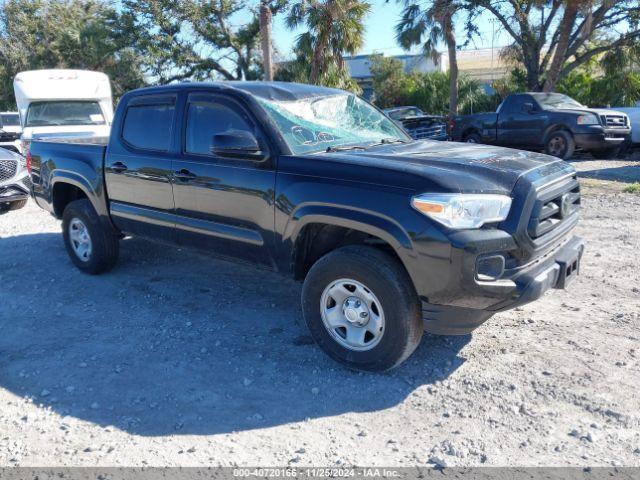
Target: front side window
point(58, 113)
point(148, 127)
point(204, 120)
point(316, 123)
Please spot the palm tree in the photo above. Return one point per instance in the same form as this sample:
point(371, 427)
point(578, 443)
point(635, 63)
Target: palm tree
point(334, 27)
point(430, 26)
point(265, 39)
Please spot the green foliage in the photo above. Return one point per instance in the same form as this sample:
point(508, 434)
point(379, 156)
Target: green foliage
point(193, 39)
point(429, 91)
point(333, 28)
point(84, 34)
point(633, 188)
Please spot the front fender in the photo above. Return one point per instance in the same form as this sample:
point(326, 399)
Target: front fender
point(377, 225)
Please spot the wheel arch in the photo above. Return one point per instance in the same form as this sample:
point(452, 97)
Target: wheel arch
point(66, 187)
point(468, 131)
point(554, 128)
point(316, 230)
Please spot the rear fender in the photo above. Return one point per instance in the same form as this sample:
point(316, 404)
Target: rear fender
point(93, 191)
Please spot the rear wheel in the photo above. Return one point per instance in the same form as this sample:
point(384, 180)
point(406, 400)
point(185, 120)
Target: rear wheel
point(560, 144)
point(362, 309)
point(92, 247)
point(473, 138)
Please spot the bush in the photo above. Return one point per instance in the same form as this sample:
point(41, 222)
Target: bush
point(429, 91)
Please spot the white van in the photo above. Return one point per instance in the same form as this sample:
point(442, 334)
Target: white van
point(56, 103)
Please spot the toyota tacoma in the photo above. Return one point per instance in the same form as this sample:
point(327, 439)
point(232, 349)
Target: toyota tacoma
point(391, 236)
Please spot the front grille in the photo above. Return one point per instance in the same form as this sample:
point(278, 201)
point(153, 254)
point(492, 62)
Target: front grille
point(552, 208)
point(426, 132)
point(8, 169)
point(614, 121)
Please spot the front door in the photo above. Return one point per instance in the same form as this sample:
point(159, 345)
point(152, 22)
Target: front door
point(223, 205)
point(519, 126)
point(138, 169)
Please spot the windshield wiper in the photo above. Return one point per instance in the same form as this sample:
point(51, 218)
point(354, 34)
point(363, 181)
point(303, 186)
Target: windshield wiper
point(388, 141)
point(345, 148)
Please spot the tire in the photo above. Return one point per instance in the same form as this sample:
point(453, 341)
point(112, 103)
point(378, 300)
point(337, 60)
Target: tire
point(394, 300)
point(10, 206)
point(103, 245)
point(606, 154)
point(560, 144)
point(17, 205)
point(473, 138)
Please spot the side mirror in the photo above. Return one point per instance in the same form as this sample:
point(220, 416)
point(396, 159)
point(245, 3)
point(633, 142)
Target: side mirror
point(527, 107)
point(236, 144)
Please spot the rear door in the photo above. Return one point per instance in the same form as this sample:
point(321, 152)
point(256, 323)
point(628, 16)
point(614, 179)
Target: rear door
point(138, 169)
point(223, 205)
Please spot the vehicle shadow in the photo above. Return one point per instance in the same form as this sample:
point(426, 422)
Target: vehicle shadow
point(175, 342)
point(626, 174)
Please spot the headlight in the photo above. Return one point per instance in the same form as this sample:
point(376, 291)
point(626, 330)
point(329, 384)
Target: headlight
point(463, 210)
point(588, 119)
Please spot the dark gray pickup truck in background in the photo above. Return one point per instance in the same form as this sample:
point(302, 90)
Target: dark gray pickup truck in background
point(551, 122)
point(391, 236)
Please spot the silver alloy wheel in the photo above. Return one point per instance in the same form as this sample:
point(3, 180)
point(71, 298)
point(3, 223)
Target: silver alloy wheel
point(80, 239)
point(471, 140)
point(352, 314)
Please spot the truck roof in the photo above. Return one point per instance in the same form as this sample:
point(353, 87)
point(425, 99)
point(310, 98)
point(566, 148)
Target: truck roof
point(280, 91)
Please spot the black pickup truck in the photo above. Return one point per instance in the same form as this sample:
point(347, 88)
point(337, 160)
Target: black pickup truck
point(551, 122)
point(390, 235)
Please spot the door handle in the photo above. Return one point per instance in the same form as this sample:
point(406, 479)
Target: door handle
point(118, 167)
point(184, 175)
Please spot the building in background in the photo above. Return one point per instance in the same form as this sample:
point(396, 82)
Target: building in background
point(360, 68)
point(483, 65)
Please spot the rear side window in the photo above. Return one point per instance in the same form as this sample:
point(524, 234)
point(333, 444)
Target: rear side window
point(204, 120)
point(149, 126)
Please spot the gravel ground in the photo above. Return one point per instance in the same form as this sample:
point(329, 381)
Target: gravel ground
point(178, 359)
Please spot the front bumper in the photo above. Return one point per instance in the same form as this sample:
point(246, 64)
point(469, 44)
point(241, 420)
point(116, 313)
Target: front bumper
point(601, 138)
point(477, 300)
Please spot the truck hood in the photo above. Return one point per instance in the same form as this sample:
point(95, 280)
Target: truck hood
point(597, 111)
point(458, 167)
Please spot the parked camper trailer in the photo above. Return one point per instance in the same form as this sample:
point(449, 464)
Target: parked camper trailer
point(61, 103)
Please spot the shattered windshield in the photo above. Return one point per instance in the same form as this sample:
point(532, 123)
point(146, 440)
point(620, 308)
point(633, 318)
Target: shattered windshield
point(328, 122)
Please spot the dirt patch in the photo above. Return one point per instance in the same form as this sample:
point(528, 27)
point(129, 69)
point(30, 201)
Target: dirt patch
point(178, 359)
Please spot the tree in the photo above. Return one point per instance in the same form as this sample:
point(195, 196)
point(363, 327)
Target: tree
point(429, 24)
point(84, 34)
point(193, 39)
point(334, 27)
point(429, 91)
point(569, 32)
point(265, 39)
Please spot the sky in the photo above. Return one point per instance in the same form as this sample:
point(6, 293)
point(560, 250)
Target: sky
point(380, 33)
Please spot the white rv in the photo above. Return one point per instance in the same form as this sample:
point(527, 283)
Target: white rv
point(55, 103)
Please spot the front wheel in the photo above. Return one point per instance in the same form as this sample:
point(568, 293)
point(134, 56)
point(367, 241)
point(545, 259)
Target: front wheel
point(362, 309)
point(560, 144)
point(91, 247)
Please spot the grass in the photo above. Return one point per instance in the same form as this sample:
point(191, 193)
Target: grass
point(632, 188)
